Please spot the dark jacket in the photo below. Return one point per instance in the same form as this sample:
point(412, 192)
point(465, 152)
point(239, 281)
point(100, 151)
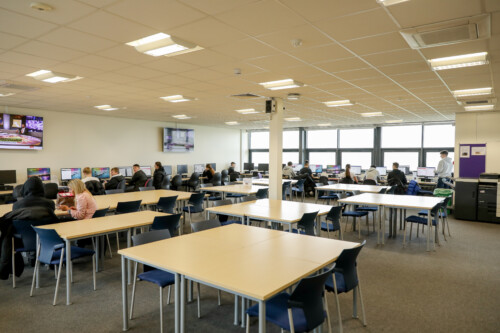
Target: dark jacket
point(33, 196)
point(95, 187)
point(208, 174)
point(139, 179)
point(397, 178)
point(230, 170)
point(158, 178)
point(113, 182)
point(306, 170)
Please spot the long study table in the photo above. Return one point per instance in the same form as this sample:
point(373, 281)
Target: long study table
point(348, 188)
point(236, 189)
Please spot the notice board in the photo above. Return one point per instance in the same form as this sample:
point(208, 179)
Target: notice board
point(472, 160)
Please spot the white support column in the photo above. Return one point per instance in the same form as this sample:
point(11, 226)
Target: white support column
point(276, 150)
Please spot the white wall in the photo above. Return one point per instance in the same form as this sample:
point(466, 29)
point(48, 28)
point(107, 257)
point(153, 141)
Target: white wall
point(480, 127)
point(76, 140)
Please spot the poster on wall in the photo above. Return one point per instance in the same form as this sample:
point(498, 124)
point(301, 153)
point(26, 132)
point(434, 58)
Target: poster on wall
point(464, 151)
point(472, 160)
point(479, 151)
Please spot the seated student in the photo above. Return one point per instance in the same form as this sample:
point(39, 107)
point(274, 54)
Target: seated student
point(116, 178)
point(372, 174)
point(139, 179)
point(397, 177)
point(208, 172)
point(84, 201)
point(87, 175)
point(231, 168)
point(288, 170)
point(159, 175)
point(34, 196)
point(306, 170)
point(347, 176)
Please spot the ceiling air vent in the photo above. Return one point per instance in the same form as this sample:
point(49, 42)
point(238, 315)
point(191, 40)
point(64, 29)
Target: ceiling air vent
point(449, 32)
point(246, 96)
point(15, 87)
point(482, 101)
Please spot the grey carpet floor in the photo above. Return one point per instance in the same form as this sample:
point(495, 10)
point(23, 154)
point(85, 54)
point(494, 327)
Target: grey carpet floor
point(454, 289)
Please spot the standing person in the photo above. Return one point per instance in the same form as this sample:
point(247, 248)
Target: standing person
point(398, 178)
point(139, 179)
point(159, 175)
point(116, 178)
point(347, 177)
point(85, 202)
point(208, 172)
point(87, 175)
point(288, 171)
point(306, 170)
point(444, 169)
point(372, 174)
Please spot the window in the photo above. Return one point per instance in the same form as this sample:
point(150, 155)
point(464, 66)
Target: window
point(439, 136)
point(259, 140)
point(402, 136)
point(260, 157)
point(322, 139)
point(432, 158)
point(290, 157)
point(290, 139)
point(323, 159)
point(362, 158)
point(403, 158)
point(356, 138)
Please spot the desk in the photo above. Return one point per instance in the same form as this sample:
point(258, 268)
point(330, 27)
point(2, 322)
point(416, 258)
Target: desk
point(395, 201)
point(236, 259)
point(349, 187)
point(238, 189)
point(74, 230)
point(265, 181)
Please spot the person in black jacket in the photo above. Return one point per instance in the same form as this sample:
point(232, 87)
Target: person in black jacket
point(158, 176)
point(306, 169)
point(209, 172)
point(231, 168)
point(397, 177)
point(116, 178)
point(34, 196)
point(139, 179)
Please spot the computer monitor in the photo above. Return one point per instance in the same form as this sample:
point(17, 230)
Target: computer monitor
point(199, 168)
point(101, 173)
point(248, 166)
point(43, 173)
point(168, 169)
point(182, 169)
point(382, 171)
point(263, 167)
point(333, 168)
point(426, 172)
point(317, 168)
point(126, 171)
point(71, 173)
point(405, 169)
point(214, 165)
point(356, 169)
point(296, 167)
point(146, 169)
point(8, 177)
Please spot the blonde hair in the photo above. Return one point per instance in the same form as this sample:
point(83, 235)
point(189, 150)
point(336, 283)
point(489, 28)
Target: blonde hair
point(87, 171)
point(77, 186)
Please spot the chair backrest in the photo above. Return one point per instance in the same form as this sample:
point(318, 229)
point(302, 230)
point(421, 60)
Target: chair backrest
point(382, 191)
point(334, 215)
point(167, 204)
point(51, 190)
point(95, 187)
point(150, 183)
point(28, 235)
point(206, 185)
point(224, 202)
point(308, 295)
point(285, 189)
point(149, 237)
point(196, 199)
point(323, 180)
point(100, 212)
point(165, 183)
point(346, 181)
point(49, 239)
point(121, 185)
point(147, 188)
point(369, 182)
point(115, 191)
point(307, 223)
point(224, 173)
point(170, 222)
point(128, 206)
point(224, 177)
point(204, 225)
point(262, 193)
point(217, 179)
point(346, 265)
point(248, 198)
point(176, 182)
point(444, 205)
point(300, 184)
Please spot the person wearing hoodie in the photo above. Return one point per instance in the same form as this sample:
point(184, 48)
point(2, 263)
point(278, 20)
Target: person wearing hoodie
point(114, 181)
point(444, 169)
point(288, 171)
point(372, 174)
point(159, 175)
point(34, 196)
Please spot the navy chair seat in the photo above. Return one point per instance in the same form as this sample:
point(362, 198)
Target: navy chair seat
point(302, 232)
point(339, 278)
point(159, 277)
point(419, 220)
point(330, 227)
point(354, 213)
point(76, 252)
point(234, 195)
point(425, 213)
point(230, 222)
point(193, 209)
point(277, 313)
point(367, 209)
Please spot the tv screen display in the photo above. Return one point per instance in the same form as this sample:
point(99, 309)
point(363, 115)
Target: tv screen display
point(71, 173)
point(43, 173)
point(21, 132)
point(146, 169)
point(178, 140)
point(8, 177)
point(101, 173)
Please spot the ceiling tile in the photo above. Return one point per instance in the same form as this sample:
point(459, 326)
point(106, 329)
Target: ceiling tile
point(21, 25)
point(375, 44)
point(98, 62)
point(48, 51)
point(245, 49)
point(77, 40)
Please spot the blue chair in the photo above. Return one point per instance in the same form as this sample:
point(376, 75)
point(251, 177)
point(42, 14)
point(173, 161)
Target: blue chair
point(371, 209)
point(161, 278)
point(301, 311)
point(262, 193)
point(121, 185)
point(126, 207)
point(443, 214)
point(423, 222)
point(345, 279)
point(224, 219)
point(333, 216)
point(299, 188)
point(51, 252)
point(195, 205)
point(169, 222)
point(236, 196)
point(285, 190)
point(326, 195)
point(213, 196)
point(369, 182)
point(167, 204)
point(306, 224)
point(118, 190)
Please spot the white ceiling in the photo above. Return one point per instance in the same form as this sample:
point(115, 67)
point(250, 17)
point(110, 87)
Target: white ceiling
point(351, 49)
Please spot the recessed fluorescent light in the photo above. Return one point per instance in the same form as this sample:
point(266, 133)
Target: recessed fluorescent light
point(325, 124)
point(6, 94)
point(281, 84)
point(293, 119)
point(181, 116)
point(472, 92)
point(53, 77)
point(344, 102)
point(162, 44)
point(464, 60)
point(247, 111)
point(479, 107)
point(177, 98)
point(106, 107)
point(394, 121)
point(390, 2)
point(232, 123)
point(372, 114)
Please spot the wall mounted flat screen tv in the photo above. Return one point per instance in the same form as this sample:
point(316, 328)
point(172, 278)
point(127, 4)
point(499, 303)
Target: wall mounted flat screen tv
point(21, 132)
point(178, 140)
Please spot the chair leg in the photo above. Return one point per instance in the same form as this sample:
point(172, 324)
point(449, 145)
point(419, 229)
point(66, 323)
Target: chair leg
point(404, 235)
point(59, 276)
point(248, 324)
point(290, 319)
point(329, 323)
point(359, 227)
point(448, 226)
point(117, 243)
point(133, 291)
point(341, 330)
point(218, 298)
point(362, 305)
point(168, 295)
point(161, 309)
point(355, 303)
point(93, 272)
point(13, 265)
point(198, 299)
point(37, 265)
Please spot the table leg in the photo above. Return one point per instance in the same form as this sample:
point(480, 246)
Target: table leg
point(183, 304)
point(318, 226)
point(68, 272)
point(124, 296)
point(383, 226)
point(243, 300)
point(129, 265)
point(429, 228)
point(236, 310)
point(177, 301)
point(315, 195)
point(378, 222)
point(262, 317)
point(37, 278)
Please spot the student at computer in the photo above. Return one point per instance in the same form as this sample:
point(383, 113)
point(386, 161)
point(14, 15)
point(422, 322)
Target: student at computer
point(208, 172)
point(159, 175)
point(116, 178)
point(139, 179)
point(398, 178)
point(347, 176)
point(288, 171)
point(306, 170)
point(84, 201)
point(231, 168)
point(372, 174)
point(444, 169)
point(34, 196)
point(87, 175)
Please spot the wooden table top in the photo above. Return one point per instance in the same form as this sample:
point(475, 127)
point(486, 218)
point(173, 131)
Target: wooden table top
point(352, 187)
point(390, 200)
point(102, 225)
point(238, 258)
point(238, 189)
point(265, 181)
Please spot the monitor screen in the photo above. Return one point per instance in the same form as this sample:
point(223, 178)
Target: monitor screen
point(382, 171)
point(21, 132)
point(126, 171)
point(263, 167)
point(214, 165)
point(317, 168)
point(356, 169)
point(199, 168)
point(71, 173)
point(333, 168)
point(101, 173)
point(146, 169)
point(168, 169)
point(182, 168)
point(43, 173)
point(297, 167)
point(8, 177)
point(178, 140)
point(425, 172)
point(248, 166)
point(405, 169)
